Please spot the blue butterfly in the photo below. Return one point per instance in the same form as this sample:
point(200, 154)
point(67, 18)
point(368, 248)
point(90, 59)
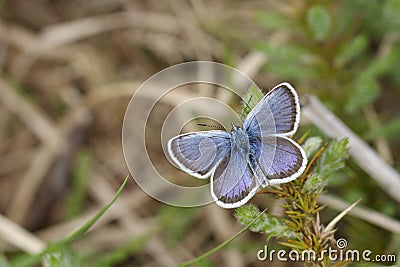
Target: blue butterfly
point(258, 154)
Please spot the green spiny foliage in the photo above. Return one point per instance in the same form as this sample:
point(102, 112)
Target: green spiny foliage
point(267, 224)
point(251, 99)
point(319, 22)
point(389, 130)
point(332, 160)
point(311, 145)
point(351, 51)
point(338, 56)
point(300, 229)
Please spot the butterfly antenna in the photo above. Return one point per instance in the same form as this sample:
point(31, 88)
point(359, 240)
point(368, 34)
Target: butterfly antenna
point(211, 126)
point(248, 106)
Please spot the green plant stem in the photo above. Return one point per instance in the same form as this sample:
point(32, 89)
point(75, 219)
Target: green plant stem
point(208, 253)
point(31, 260)
point(83, 229)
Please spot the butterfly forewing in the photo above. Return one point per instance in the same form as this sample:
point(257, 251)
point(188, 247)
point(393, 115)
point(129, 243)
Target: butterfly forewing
point(198, 153)
point(277, 113)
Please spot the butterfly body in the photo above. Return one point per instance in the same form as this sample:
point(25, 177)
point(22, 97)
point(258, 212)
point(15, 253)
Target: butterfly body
point(258, 154)
point(240, 140)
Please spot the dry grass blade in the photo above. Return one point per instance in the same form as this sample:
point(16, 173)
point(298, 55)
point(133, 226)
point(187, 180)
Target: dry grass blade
point(16, 160)
point(72, 31)
point(32, 180)
point(250, 65)
point(132, 199)
point(363, 213)
point(335, 220)
point(29, 114)
point(223, 228)
point(365, 156)
point(19, 237)
point(132, 223)
point(45, 156)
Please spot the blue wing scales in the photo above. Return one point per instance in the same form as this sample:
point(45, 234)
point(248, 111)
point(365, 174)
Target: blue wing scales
point(276, 159)
point(233, 183)
point(277, 113)
point(199, 152)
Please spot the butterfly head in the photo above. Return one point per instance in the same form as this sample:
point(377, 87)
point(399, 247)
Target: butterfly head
point(234, 127)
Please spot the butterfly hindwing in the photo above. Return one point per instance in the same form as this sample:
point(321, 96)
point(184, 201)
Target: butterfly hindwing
point(276, 159)
point(232, 182)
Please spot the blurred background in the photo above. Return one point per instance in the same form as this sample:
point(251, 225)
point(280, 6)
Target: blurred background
point(69, 69)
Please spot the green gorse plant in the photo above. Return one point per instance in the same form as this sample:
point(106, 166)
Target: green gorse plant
point(300, 228)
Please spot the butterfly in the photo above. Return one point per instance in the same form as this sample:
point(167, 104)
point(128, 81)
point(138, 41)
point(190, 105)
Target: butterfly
point(258, 154)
